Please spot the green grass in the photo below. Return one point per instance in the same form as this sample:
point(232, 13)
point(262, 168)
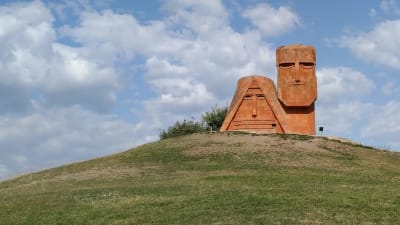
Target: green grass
point(215, 179)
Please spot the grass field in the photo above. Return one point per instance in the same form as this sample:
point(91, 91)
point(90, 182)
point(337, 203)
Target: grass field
point(215, 179)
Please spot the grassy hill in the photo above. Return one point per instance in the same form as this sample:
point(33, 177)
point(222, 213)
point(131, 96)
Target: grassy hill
point(215, 179)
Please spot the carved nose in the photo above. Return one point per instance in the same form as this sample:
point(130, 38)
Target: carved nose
point(254, 113)
point(296, 73)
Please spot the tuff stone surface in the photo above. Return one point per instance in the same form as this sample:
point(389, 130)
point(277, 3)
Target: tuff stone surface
point(297, 83)
point(258, 107)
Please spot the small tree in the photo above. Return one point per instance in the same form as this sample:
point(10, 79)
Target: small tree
point(215, 117)
point(182, 128)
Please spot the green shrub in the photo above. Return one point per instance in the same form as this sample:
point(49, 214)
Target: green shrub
point(182, 128)
point(215, 117)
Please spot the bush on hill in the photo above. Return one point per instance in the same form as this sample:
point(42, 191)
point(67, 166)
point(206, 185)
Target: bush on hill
point(182, 128)
point(214, 119)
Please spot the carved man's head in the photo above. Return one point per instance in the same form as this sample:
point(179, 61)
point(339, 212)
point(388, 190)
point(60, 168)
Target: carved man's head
point(297, 83)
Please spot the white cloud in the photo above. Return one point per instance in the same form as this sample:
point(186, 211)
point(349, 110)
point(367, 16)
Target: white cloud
point(200, 17)
point(38, 72)
point(343, 119)
point(338, 83)
point(339, 107)
point(74, 79)
point(50, 137)
point(32, 61)
point(158, 68)
point(178, 95)
point(65, 9)
point(271, 21)
point(25, 33)
point(379, 46)
point(113, 34)
point(192, 58)
point(383, 124)
point(344, 107)
point(388, 6)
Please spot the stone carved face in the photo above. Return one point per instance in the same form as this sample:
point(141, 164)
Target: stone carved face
point(254, 113)
point(297, 83)
point(253, 101)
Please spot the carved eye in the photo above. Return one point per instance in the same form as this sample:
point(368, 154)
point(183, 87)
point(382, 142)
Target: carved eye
point(307, 64)
point(286, 65)
point(247, 96)
point(260, 96)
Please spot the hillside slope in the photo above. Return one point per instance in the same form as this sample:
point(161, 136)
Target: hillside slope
point(215, 179)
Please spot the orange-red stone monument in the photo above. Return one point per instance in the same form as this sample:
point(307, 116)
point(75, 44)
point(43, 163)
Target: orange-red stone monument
point(258, 107)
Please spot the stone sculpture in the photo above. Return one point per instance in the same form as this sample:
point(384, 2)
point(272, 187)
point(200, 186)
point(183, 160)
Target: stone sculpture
point(258, 107)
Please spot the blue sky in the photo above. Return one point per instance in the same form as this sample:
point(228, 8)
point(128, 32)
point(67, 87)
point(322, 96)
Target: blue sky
point(83, 79)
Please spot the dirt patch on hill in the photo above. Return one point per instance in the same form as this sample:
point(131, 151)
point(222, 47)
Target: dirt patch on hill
point(275, 149)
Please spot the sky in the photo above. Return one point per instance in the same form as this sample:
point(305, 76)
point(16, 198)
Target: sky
point(81, 79)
